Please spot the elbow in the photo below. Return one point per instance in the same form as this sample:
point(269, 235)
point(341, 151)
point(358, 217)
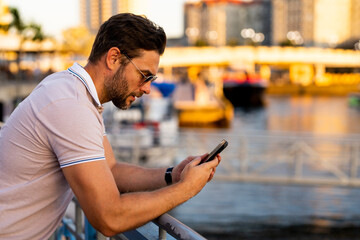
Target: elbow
point(106, 229)
point(110, 231)
point(106, 226)
point(107, 232)
point(110, 227)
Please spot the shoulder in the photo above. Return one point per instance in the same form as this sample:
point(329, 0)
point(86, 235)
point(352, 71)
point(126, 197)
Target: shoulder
point(61, 85)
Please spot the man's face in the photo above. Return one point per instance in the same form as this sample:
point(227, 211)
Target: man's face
point(127, 83)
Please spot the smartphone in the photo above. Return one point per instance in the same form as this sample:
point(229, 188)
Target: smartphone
point(218, 149)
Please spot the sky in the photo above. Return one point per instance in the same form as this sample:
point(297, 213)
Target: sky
point(57, 15)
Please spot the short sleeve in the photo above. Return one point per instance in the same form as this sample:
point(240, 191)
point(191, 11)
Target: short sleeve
point(74, 132)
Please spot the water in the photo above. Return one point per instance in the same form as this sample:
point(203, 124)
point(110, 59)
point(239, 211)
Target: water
point(226, 210)
point(316, 115)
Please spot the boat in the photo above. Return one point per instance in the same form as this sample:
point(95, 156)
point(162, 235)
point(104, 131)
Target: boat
point(215, 114)
point(244, 90)
point(198, 105)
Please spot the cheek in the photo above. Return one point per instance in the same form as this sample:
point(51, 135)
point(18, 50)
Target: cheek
point(122, 84)
point(133, 83)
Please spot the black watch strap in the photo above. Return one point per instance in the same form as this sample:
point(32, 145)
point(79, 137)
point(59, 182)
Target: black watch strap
point(168, 176)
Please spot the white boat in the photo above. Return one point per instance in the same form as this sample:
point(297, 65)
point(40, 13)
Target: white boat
point(145, 134)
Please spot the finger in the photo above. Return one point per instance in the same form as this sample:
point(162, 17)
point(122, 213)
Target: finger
point(190, 158)
point(203, 157)
point(211, 176)
point(196, 161)
point(213, 163)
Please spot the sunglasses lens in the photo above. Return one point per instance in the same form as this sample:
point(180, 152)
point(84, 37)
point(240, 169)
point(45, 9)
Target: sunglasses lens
point(150, 79)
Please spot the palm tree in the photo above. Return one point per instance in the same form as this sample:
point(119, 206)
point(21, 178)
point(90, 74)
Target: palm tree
point(16, 22)
point(31, 32)
point(24, 29)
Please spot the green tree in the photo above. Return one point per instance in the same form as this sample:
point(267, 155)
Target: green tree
point(32, 32)
point(16, 22)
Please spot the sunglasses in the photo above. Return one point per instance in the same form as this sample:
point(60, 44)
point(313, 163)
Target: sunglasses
point(147, 79)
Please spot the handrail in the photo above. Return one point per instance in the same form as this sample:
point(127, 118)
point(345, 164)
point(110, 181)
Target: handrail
point(84, 231)
point(176, 228)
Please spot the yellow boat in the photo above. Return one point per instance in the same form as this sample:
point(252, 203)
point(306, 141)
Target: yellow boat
point(212, 114)
point(200, 101)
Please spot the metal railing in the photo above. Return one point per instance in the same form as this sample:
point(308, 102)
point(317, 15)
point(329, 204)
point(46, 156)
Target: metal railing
point(271, 157)
point(282, 157)
point(163, 227)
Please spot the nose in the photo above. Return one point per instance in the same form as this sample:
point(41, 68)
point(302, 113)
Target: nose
point(146, 88)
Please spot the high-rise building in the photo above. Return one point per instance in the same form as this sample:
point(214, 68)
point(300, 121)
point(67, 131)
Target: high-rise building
point(94, 12)
point(228, 22)
point(355, 19)
point(323, 23)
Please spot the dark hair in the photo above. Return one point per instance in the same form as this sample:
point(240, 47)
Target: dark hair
point(128, 32)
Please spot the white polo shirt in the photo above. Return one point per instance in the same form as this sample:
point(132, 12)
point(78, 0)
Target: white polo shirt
point(57, 126)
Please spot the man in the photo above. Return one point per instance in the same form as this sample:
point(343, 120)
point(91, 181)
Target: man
point(54, 146)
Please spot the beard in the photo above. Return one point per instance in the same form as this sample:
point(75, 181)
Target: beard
point(117, 89)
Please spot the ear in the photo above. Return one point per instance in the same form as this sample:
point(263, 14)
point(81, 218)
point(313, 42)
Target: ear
point(112, 58)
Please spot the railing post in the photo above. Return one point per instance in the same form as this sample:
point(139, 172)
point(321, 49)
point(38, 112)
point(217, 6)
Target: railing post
point(298, 165)
point(136, 149)
point(162, 234)
point(243, 155)
point(78, 218)
point(90, 232)
point(354, 160)
point(99, 236)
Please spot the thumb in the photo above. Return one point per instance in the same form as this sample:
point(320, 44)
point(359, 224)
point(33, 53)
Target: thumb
point(196, 161)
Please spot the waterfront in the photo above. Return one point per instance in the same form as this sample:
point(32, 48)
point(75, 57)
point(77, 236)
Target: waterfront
point(231, 210)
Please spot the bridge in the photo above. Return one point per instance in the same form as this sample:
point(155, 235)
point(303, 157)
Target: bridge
point(203, 56)
point(281, 67)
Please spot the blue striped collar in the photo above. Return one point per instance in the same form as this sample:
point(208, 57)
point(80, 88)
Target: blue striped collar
point(78, 71)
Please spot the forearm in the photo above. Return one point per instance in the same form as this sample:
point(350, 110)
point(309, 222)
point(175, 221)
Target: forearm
point(131, 178)
point(135, 209)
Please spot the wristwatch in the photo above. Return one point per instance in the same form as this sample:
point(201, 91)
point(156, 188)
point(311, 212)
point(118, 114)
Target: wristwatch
point(168, 176)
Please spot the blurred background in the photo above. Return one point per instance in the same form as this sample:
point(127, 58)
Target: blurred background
point(279, 79)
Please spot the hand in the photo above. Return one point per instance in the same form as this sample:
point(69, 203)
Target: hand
point(194, 175)
point(180, 167)
point(176, 173)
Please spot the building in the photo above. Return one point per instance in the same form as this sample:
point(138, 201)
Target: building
point(95, 12)
point(355, 19)
point(323, 23)
point(228, 22)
